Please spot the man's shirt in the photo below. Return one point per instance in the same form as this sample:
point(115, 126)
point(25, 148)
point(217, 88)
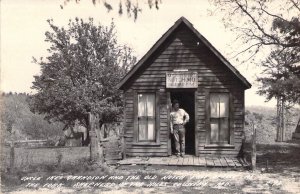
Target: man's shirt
point(179, 117)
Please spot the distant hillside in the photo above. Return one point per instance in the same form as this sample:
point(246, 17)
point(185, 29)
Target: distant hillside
point(19, 122)
point(270, 111)
point(267, 133)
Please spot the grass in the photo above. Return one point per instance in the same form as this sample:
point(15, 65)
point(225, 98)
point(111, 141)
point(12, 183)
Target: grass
point(278, 172)
point(277, 157)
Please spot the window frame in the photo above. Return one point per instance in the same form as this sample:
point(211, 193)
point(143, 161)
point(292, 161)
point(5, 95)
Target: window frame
point(136, 140)
point(208, 143)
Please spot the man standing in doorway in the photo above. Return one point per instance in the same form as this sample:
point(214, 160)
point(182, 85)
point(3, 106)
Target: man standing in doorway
point(178, 118)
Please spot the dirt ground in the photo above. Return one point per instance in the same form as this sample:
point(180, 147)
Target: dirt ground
point(278, 171)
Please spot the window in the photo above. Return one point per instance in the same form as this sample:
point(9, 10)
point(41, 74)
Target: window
point(219, 118)
point(146, 117)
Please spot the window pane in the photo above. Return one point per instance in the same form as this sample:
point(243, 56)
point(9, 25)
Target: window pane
point(142, 105)
point(224, 130)
point(150, 104)
point(151, 132)
point(146, 104)
point(224, 104)
point(142, 129)
point(214, 106)
point(214, 130)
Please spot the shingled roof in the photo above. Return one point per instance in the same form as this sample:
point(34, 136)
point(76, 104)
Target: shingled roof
point(161, 41)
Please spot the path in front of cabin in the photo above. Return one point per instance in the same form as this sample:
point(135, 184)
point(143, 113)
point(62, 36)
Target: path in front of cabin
point(209, 181)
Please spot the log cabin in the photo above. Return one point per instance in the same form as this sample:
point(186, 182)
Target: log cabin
point(183, 65)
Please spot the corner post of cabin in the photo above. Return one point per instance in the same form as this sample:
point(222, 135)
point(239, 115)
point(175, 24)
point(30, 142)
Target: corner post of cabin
point(135, 115)
point(123, 142)
point(169, 107)
point(157, 115)
point(207, 118)
point(231, 119)
point(196, 123)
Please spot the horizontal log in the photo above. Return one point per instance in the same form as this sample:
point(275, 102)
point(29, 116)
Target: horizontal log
point(200, 113)
point(150, 88)
point(223, 154)
point(230, 155)
point(216, 71)
point(145, 150)
point(184, 40)
point(128, 101)
point(238, 121)
point(238, 117)
point(112, 146)
point(110, 152)
point(147, 154)
point(128, 120)
point(152, 76)
point(170, 51)
point(128, 126)
point(165, 67)
point(161, 76)
point(219, 150)
point(109, 158)
point(174, 55)
point(201, 97)
point(162, 145)
point(178, 60)
point(129, 105)
point(177, 45)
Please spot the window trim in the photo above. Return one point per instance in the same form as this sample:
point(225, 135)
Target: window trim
point(208, 143)
point(135, 121)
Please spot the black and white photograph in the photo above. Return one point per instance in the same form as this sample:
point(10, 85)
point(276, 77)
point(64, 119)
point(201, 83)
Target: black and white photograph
point(150, 96)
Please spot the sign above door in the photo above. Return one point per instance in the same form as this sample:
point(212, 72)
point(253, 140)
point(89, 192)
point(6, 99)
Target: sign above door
point(182, 79)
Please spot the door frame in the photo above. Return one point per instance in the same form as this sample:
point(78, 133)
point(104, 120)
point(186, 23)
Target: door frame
point(169, 107)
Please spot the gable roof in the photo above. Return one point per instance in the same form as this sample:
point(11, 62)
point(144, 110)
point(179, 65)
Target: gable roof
point(180, 21)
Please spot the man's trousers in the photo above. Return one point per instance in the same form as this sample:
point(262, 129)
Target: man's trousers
point(179, 137)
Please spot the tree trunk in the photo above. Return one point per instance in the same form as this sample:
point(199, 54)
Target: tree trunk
point(94, 143)
point(280, 120)
point(12, 156)
point(284, 112)
point(278, 131)
point(253, 153)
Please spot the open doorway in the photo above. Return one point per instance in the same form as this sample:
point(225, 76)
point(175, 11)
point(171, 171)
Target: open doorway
point(187, 102)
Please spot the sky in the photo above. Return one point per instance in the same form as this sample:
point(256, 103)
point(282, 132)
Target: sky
point(23, 27)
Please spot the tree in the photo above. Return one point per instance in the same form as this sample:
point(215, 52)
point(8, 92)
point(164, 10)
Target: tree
point(281, 83)
point(80, 74)
point(263, 23)
point(280, 78)
point(132, 8)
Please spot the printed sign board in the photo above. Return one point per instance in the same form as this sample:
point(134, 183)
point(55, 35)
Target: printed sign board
point(181, 80)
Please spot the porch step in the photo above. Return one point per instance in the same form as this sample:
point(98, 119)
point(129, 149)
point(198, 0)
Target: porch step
point(188, 160)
